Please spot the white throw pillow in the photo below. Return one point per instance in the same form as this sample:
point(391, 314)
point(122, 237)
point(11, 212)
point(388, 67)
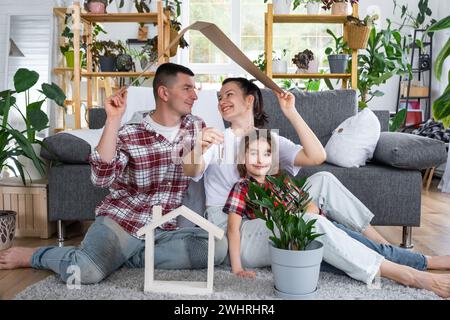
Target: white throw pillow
point(353, 142)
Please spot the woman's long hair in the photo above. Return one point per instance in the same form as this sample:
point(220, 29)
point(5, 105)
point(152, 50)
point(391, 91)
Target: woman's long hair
point(249, 88)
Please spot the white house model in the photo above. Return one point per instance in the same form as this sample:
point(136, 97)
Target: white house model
point(178, 287)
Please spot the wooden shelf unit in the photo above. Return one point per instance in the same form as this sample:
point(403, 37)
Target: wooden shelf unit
point(161, 18)
point(271, 18)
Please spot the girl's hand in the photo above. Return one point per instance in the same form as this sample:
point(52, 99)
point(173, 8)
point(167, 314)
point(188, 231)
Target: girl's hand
point(245, 274)
point(286, 101)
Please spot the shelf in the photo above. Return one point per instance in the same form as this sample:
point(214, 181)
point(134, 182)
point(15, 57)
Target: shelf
point(117, 74)
point(409, 98)
point(62, 70)
point(151, 17)
point(308, 18)
point(311, 75)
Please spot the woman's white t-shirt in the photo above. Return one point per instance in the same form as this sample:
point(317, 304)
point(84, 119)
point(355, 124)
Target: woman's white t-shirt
point(221, 165)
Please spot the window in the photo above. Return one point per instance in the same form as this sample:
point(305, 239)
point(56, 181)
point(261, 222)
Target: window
point(243, 22)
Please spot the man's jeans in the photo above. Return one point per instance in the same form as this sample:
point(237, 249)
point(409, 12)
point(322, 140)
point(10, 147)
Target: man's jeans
point(107, 247)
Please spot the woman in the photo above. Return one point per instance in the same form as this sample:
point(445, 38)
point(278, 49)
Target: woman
point(240, 103)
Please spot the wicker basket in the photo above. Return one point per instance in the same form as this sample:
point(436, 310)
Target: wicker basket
point(357, 36)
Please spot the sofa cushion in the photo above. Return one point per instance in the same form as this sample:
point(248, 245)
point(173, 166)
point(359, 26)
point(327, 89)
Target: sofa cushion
point(408, 151)
point(67, 148)
point(354, 140)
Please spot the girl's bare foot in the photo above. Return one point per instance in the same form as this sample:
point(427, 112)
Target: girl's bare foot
point(16, 257)
point(438, 263)
point(438, 283)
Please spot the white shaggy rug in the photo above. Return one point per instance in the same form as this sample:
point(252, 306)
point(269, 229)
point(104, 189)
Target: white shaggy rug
point(128, 284)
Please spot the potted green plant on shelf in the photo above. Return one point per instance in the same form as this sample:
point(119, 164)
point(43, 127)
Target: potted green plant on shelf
point(359, 30)
point(338, 56)
point(306, 62)
point(312, 6)
point(124, 61)
point(67, 49)
point(441, 106)
point(284, 6)
point(261, 62)
point(279, 63)
point(295, 254)
point(339, 7)
point(22, 147)
point(104, 55)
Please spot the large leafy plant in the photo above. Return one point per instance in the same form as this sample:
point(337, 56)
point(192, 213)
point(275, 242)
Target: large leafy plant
point(13, 142)
point(283, 207)
point(441, 106)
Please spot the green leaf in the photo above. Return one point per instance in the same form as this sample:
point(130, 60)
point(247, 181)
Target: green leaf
point(362, 105)
point(3, 94)
point(440, 25)
point(54, 92)
point(377, 93)
point(38, 119)
point(25, 79)
point(5, 107)
point(398, 120)
point(443, 54)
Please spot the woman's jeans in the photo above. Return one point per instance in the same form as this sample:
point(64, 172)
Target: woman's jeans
point(345, 248)
point(107, 247)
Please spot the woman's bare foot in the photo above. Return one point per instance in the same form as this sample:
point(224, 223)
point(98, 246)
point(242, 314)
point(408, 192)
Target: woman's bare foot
point(438, 283)
point(438, 263)
point(16, 257)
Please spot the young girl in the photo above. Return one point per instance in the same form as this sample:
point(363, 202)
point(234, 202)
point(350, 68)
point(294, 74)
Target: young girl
point(257, 161)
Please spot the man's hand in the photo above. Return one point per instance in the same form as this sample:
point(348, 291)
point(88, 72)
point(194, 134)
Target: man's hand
point(208, 137)
point(115, 105)
point(287, 102)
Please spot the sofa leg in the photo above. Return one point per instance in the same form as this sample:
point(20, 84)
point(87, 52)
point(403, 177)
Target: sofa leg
point(407, 238)
point(61, 233)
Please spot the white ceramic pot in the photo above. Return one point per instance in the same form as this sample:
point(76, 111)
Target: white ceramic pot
point(313, 67)
point(312, 8)
point(279, 66)
point(7, 228)
point(282, 6)
point(341, 8)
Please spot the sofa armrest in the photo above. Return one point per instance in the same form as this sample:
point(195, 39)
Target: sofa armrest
point(408, 151)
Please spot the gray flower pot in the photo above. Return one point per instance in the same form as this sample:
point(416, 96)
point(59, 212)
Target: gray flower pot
point(338, 62)
point(107, 63)
point(296, 273)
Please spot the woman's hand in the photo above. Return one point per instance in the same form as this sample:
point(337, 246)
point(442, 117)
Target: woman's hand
point(287, 102)
point(115, 105)
point(245, 273)
point(210, 136)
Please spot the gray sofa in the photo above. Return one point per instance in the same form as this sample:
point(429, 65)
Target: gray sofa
point(389, 185)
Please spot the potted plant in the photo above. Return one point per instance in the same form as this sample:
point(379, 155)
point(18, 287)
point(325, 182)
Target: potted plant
point(261, 62)
point(337, 56)
point(96, 6)
point(279, 64)
point(7, 228)
point(312, 6)
point(295, 254)
point(67, 48)
point(339, 7)
point(359, 30)
point(124, 6)
point(306, 62)
point(22, 147)
point(104, 55)
point(284, 6)
point(124, 61)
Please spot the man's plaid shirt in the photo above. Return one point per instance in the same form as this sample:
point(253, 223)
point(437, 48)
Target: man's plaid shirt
point(146, 171)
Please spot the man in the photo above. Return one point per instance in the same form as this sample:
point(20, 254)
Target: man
point(137, 163)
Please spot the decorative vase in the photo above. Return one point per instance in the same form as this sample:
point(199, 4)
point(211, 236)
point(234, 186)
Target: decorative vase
point(341, 8)
point(313, 67)
point(7, 228)
point(28, 164)
point(312, 8)
point(96, 7)
point(279, 66)
point(338, 63)
point(282, 6)
point(296, 273)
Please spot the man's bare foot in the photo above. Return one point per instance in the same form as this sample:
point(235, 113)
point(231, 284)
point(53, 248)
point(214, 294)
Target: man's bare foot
point(438, 283)
point(16, 257)
point(438, 263)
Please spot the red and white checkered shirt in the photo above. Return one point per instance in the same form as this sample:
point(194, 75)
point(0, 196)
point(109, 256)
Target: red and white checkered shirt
point(146, 171)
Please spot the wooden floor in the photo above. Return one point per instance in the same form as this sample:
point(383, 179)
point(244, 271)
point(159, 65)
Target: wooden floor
point(432, 238)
